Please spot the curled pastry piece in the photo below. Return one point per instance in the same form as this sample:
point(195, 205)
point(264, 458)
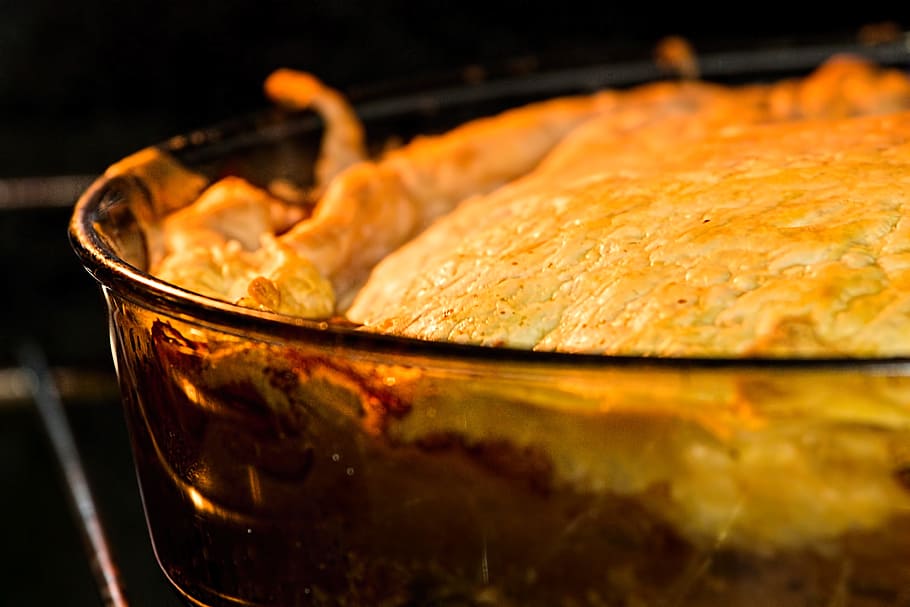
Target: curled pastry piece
point(288, 284)
point(374, 207)
point(674, 54)
point(216, 271)
point(169, 184)
point(166, 186)
point(272, 278)
point(225, 241)
point(844, 86)
point(229, 209)
point(343, 142)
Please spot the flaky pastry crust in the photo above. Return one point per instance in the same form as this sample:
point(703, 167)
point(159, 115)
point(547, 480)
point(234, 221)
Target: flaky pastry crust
point(678, 218)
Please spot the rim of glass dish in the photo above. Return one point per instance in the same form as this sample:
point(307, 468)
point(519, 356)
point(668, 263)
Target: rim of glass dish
point(129, 282)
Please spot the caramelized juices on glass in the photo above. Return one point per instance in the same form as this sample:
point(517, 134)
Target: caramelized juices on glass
point(278, 473)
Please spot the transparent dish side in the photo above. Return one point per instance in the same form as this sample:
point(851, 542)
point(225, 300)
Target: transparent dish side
point(282, 472)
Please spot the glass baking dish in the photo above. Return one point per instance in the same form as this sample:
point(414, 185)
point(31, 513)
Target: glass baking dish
point(291, 462)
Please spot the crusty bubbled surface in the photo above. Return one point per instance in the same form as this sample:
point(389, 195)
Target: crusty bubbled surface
point(692, 231)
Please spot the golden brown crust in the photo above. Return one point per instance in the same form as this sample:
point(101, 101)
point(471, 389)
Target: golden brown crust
point(674, 219)
point(343, 143)
point(685, 225)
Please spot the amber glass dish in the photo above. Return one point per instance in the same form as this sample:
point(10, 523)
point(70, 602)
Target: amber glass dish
point(289, 462)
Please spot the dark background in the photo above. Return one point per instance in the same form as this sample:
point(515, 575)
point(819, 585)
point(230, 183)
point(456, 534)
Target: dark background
point(83, 83)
